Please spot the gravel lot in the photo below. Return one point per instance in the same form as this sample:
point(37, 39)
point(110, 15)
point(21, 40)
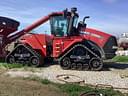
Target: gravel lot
point(112, 74)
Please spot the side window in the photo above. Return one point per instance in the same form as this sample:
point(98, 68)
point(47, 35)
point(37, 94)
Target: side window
point(59, 26)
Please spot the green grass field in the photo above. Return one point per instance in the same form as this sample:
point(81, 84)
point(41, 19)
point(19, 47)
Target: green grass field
point(120, 59)
point(10, 66)
point(75, 89)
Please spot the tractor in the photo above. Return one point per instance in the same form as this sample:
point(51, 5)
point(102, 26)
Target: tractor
point(71, 43)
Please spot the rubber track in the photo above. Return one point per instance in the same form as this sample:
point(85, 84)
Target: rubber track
point(90, 51)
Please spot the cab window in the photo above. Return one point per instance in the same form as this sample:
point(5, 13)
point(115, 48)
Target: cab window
point(59, 26)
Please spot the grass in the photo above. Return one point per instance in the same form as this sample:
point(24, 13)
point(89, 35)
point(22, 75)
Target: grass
point(72, 89)
point(19, 87)
point(45, 81)
point(34, 78)
point(120, 59)
point(75, 89)
point(10, 66)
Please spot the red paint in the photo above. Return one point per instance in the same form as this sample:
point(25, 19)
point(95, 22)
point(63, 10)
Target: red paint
point(61, 44)
point(7, 38)
point(99, 37)
point(36, 41)
point(64, 43)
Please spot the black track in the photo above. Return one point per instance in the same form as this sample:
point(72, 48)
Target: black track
point(25, 55)
point(81, 58)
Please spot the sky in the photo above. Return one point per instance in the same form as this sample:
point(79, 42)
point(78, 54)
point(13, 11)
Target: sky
point(110, 16)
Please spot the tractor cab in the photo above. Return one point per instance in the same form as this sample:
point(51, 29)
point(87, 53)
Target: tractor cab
point(66, 24)
point(65, 30)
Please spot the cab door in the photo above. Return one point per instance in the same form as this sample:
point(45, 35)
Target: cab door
point(57, 46)
point(59, 28)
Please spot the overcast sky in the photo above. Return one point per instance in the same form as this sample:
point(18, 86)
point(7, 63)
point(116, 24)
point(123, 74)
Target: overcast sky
point(110, 16)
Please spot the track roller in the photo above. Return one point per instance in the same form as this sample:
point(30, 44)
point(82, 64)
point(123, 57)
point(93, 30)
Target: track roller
point(96, 64)
point(65, 63)
point(79, 66)
point(74, 66)
point(85, 67)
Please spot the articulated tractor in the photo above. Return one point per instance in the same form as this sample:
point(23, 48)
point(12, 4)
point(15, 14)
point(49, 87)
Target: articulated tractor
point(71, 43)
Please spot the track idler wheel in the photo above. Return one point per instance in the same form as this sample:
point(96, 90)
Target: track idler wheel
point(35, 61)
point(96, 64)
point(65, 63)
point(11, 59)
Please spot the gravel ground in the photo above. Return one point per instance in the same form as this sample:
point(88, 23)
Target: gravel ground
point(115, 75)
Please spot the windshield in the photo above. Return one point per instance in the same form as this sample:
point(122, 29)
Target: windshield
point(59, 26)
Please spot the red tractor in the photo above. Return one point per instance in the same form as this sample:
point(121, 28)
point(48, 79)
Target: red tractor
point(73, 45)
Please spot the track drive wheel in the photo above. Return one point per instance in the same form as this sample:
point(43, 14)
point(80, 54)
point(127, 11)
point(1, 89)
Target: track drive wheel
point(96, 64)
point(35, 61)
point(11, 59)
point(65, 63)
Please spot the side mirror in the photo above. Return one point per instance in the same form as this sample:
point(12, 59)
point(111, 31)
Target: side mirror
point(86, 17)
point(82, 24)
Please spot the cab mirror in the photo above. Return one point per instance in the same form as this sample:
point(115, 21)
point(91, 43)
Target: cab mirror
point(86, 17)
